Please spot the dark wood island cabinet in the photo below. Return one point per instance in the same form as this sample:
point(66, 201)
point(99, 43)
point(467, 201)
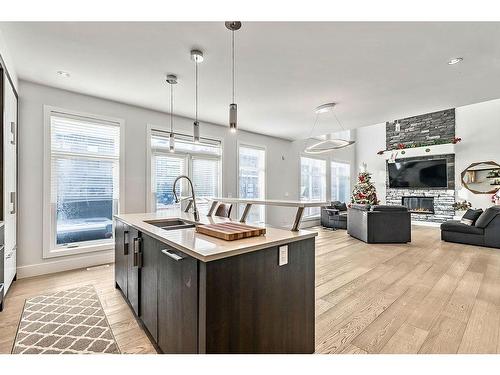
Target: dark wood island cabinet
point(244, 303)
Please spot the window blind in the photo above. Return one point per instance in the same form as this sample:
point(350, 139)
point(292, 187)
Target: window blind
point(71, 135)
point(206, 177)
point(84, 177)
point(185, 144)
point(200, 161)
point(166, 170)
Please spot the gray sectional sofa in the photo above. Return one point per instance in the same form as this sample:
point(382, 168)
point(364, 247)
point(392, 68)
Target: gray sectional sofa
point(484, 232)
point(379, 223)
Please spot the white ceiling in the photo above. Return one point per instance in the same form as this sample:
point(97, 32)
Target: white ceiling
point(374, 71)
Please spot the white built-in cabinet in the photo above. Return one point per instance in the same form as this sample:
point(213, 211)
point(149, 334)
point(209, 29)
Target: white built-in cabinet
point(10, 125)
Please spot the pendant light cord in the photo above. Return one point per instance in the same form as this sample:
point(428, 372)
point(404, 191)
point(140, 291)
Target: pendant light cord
point(171, 108)
point(232, 48)
point(338, 121)
point(313, 127)
point(196, 91)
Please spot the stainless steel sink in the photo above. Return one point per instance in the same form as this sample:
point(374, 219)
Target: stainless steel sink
point(171, 224)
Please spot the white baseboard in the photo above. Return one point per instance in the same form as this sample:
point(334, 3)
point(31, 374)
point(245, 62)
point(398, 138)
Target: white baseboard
point(66, 264)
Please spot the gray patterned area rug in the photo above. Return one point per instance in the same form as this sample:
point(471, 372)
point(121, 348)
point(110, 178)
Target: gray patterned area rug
point(67, 322)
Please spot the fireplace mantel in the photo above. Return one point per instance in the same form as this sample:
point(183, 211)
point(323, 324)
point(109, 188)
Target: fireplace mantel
point(448, 148)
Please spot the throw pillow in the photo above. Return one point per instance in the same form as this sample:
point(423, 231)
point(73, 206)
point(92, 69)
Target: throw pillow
point(487, 216)
point(471, 216)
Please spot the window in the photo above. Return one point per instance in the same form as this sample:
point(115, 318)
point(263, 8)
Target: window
point(252, 180)
point(82, 173)
point(166, 169)
point(340, 181)
point(199, 161)
point(312, 183)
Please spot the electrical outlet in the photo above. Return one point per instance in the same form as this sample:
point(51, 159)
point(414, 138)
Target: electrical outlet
point(283, 255)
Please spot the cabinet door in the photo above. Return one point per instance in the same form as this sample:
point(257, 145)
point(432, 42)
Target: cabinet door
point(121, 255)
point(133, 269)
point(149, 284)
point(10, 180)
point(177, 302)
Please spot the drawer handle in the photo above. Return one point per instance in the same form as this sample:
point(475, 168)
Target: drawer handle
point(172, 255)
point(137, 255)
point(13, 202)
point(125, 242)
point(13, 131)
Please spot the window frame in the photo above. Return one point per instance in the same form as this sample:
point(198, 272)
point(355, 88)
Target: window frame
point(49, 250)
point(340, 161)
point(256, 147)
point(150, 207)
point(327, 177)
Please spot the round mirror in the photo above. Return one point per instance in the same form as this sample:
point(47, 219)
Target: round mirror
point(482, 177)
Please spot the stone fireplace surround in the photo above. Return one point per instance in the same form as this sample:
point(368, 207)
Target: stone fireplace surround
point(443, 198)
point(425, 128)
point(443, 203)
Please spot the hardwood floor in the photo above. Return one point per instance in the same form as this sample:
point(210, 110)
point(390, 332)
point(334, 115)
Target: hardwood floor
point(425, 297)
point(129, 336)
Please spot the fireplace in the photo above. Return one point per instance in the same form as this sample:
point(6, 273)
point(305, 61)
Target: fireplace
point(418, 205)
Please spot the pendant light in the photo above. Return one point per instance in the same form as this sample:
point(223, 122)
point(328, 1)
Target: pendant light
point(233, 108)
point(171, 80)
point(197, 57)
point(329, 144)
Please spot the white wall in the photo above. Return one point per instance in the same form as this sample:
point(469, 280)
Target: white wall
point(479, 127)
point(370, 140)
point(281, 175)
point(4, 52)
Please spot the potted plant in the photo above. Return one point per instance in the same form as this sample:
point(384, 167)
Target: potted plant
point(496, 198)
point(461, 207)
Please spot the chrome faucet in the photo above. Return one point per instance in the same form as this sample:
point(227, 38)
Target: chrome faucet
point(195, 210)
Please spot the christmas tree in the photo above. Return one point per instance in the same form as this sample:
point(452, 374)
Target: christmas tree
point(364, 191)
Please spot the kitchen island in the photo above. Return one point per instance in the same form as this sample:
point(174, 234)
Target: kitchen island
point(194, 293)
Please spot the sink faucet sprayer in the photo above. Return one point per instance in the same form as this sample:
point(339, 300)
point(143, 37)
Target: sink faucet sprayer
point(195, 210)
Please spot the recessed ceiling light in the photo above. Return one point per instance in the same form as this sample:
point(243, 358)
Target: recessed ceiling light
point(455, 60)
point(63, 73)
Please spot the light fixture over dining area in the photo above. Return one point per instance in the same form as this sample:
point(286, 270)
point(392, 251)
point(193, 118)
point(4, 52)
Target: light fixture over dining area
point(332, 141)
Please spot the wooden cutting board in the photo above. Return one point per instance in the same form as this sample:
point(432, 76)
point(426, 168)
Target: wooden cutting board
point(230, 231)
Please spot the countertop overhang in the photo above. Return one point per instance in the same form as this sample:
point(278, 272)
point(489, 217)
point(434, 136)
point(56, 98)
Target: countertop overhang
point(203, 247)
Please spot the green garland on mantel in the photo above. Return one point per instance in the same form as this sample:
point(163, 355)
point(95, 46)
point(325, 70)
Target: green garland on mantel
point(435, 142)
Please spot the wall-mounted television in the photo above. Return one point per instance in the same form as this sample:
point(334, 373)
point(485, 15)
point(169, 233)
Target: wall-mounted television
point(418, 174)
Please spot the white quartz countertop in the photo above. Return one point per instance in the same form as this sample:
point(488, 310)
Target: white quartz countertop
point(207, 248)
point(272, 202)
